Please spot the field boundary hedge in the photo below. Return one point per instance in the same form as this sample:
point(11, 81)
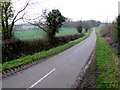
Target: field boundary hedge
point(17, 48)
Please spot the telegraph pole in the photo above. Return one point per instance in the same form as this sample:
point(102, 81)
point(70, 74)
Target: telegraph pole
point(119, 8)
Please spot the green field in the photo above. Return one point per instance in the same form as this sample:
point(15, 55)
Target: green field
point(33, 34)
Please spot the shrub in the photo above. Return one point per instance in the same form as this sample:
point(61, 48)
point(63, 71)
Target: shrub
point(109, 31)
point(79, 29)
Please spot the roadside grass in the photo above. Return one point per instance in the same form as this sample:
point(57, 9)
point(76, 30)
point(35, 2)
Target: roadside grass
point(107, 64)
point(39, 56)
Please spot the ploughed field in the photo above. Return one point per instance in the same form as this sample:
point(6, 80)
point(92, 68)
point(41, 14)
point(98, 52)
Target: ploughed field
point(38, 33)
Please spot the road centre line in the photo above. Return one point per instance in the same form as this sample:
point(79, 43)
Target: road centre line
point(42, 78)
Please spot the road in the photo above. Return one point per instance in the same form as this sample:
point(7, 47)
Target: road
point(58, 71)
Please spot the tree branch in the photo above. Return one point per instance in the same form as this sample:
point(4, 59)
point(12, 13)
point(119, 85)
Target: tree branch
point(20, 17)
point(36, 24)
point(21, 10)
point(14, 19)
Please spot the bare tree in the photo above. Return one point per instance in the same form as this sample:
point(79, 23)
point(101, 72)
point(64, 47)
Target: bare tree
point(9, 18)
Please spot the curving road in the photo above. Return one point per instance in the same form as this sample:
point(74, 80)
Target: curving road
point(58, 71)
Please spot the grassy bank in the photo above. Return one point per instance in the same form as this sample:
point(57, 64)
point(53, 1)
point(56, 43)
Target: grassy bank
point(39, 56)
point(107, 65)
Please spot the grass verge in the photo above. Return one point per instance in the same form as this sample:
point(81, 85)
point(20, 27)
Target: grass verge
point(107, 65)
point(39, 56)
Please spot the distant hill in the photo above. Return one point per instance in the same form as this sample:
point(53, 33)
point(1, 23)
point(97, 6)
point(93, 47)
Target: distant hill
point(89, 23)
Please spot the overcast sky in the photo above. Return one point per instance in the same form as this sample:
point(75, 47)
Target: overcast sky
point(102, 10)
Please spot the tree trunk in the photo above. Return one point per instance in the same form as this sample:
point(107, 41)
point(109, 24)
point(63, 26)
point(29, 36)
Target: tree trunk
point(51, 37)
point(6, 35)
point(119, 47)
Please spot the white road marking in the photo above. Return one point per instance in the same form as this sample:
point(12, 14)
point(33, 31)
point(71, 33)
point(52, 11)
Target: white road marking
point(42, 78)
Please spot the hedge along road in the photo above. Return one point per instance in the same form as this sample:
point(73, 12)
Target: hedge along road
point(58, 71)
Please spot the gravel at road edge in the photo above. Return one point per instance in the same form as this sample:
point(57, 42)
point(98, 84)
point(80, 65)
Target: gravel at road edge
point(89, 78)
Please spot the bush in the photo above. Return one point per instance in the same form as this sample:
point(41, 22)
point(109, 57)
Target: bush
point(110, 31)
point(79, 29)
point(15, 49)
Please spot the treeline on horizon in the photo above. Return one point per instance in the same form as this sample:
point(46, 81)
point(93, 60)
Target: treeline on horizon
point(72, 24)
point(84, 24)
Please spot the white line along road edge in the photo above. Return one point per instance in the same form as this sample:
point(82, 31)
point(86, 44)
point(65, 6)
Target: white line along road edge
point(42, 78)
